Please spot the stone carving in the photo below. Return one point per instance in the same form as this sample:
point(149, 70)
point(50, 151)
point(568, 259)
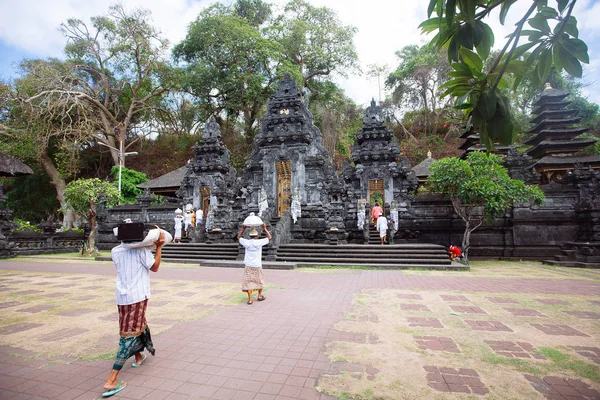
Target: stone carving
point(361, 213)
point(263, 204)
point(394, 215)
point(296, 207)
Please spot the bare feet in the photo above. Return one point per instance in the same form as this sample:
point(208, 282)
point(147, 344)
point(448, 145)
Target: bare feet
point(113, 385)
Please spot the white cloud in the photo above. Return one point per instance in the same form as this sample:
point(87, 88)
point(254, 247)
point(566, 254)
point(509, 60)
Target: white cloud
point(384, 26)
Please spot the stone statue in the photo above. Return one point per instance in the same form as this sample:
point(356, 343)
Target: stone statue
point(263, 203)
point(361, 213)
point(210, 218)
point(394, 215)
point(296, 208)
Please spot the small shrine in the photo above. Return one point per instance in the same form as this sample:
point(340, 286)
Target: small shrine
point(554, 139)
point(422, 169)
point(378, 167)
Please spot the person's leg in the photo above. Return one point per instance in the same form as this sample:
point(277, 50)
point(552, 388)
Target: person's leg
point(112, 382)
point(249, 296)
point(260, 295)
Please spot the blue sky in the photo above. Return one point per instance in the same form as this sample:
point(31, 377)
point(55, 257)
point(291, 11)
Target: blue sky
point(29, 29)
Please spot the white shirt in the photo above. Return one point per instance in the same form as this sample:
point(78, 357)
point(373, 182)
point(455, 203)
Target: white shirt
point(133, 274)
point(253, 257)
point(382, 224)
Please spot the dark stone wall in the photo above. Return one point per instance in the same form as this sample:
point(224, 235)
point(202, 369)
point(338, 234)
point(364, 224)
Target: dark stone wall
point(524, 232)
point(30, 243)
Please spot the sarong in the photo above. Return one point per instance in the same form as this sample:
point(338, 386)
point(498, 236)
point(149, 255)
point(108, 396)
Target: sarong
point(134, 332)
point(253, 279)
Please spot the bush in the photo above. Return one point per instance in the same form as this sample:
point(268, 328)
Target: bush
point(23, 225)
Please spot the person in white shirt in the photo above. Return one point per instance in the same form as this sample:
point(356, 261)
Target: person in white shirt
point(382, 227)
point(134, 261)
point(178, 225)
point(188, 221)
point(253, 278)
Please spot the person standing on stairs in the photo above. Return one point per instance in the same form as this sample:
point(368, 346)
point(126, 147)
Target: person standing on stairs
point(376, 211)
point(382, 227)
point(253, 278)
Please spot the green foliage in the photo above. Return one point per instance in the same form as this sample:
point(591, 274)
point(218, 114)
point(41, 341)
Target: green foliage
point(84, 194)
point(129, 181)
point(460, 28)
point(479, 188)
point(23, 225)
point(32, 197)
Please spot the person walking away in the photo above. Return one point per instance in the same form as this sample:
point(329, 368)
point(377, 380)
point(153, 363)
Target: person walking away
point(382, 227)
point(253, 278)
point(188, 221)
point(376, 212)
point(178, 226)
point(133, 262)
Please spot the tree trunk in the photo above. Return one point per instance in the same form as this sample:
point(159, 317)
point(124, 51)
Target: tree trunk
point(59, 184)
point(91, 243)
point(466, 241)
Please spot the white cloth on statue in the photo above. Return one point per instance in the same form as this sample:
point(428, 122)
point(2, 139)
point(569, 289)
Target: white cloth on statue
point(382, 226)
point(199, 216)
point(178, 223)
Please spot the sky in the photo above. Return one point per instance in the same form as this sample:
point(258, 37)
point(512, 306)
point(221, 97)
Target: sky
point(29, 29)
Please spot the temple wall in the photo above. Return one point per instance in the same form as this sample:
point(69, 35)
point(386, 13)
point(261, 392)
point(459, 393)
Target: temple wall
point(522, 233)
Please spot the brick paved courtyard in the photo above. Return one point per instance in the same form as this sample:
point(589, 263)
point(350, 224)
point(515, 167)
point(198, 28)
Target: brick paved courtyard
point(319, 335)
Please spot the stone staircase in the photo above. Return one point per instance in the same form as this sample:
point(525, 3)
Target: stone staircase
point(577, 255)
point(289, 256)
point(398, 256)
point(195, 252)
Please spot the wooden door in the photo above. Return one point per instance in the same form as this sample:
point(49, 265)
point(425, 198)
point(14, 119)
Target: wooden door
point(205, 195)
point(284, 186)
point(376, 188)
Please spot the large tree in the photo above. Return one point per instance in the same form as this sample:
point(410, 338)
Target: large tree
point(459, 26)
point(115, 73)
point(416, 81)
point(230, 67)
point(315, 40)
point(234, 56)
point(479, 188)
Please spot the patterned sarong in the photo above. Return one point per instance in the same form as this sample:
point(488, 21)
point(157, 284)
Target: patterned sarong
point(132, 319)
point(253, 279)
point(134, 332)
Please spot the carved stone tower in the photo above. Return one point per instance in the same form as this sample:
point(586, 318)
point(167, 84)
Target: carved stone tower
point(289, 157)
point(379, 171)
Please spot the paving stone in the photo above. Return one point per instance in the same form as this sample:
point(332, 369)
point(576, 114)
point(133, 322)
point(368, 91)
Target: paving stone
point(8, 304)
point(76, 312)
point(63, 334)
point(184, 294)
point(562, 388)
point(410, 296)
point(20, 327)
point(27, 292)
point(558, 330)
point(414, 307)
point(583, 314)
point(37, 309)
point(424, 322)
point(593, 353)
point(446, 379)
point(84, 298)
point(514, 349)
point(454, 297)
point(525, 312)
point(436, 343)
point(501, 300)
point(468, 309)
point(553, 302)
point(490, 326)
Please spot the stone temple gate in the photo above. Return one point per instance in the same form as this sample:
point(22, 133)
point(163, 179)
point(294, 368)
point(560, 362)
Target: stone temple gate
point(289, 179)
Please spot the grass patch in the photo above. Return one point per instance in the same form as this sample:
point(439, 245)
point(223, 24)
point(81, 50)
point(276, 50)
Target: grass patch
point(518, 363)
point(109, 355)
point(338, 359)
point(565, 361)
